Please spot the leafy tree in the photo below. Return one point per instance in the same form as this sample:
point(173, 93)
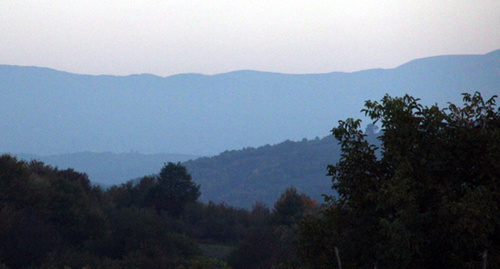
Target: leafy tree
point(44, 209)
point(288, 210)
point(291, 207)
point(174, 189)
point(430, 198)
point(142, 237)
point(217, 222)
point(271, 243)
point(25, 238)
point(51, 218)
point(256, 250)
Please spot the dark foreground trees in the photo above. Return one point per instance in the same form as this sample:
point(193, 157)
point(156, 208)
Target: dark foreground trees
point(51, 218)
point(174, 189)
point(428, 198)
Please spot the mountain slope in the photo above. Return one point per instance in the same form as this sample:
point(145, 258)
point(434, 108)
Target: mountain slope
point(44, 111)
point(243, 177)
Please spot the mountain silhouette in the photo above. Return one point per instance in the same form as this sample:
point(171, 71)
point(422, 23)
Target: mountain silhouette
point(44, 111)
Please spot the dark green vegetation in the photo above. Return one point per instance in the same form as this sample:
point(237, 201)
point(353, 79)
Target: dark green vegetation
point(425, 196)
point(241, 177)
point(51, 218)
point(238, 178)
point(430, 200)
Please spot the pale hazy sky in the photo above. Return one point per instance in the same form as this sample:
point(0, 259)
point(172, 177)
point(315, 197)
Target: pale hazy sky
point(171, 37)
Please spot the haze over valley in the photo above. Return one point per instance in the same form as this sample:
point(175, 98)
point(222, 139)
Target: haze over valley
point(49, 112)
point(249, 134)
point(120, 128)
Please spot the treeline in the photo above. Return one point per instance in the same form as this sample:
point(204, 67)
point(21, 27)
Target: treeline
point(241, 177)
point(52, 218)
point(425, 196)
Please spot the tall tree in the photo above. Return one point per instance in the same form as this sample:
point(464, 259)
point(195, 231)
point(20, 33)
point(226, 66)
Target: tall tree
point(174, 189)
point(430, 199)
point(291, 207)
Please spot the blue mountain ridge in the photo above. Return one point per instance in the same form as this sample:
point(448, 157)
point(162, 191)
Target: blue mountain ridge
point(44, 111)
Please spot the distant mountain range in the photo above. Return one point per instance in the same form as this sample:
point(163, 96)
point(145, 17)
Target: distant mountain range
point(49, 115)
point(46, 112)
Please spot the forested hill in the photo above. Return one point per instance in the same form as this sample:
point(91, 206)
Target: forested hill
point(46, 112)
point(238, 178)
point(243, 177)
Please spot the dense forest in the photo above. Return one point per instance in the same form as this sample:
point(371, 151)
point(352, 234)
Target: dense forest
point(424, 196)
point(242, 177)
point(51, 218)
point(238, 178)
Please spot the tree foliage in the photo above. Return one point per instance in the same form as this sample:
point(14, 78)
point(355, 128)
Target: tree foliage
point(427, 198)
point(51, 218)
point(242, 177)
point(174, 189)
point(44, 209)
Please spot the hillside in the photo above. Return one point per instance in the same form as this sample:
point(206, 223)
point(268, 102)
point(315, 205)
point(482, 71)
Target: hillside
point(47, 112)
point(238, 178)
point(243, 177)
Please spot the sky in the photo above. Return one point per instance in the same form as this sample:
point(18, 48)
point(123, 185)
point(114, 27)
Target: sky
point(209, 37)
